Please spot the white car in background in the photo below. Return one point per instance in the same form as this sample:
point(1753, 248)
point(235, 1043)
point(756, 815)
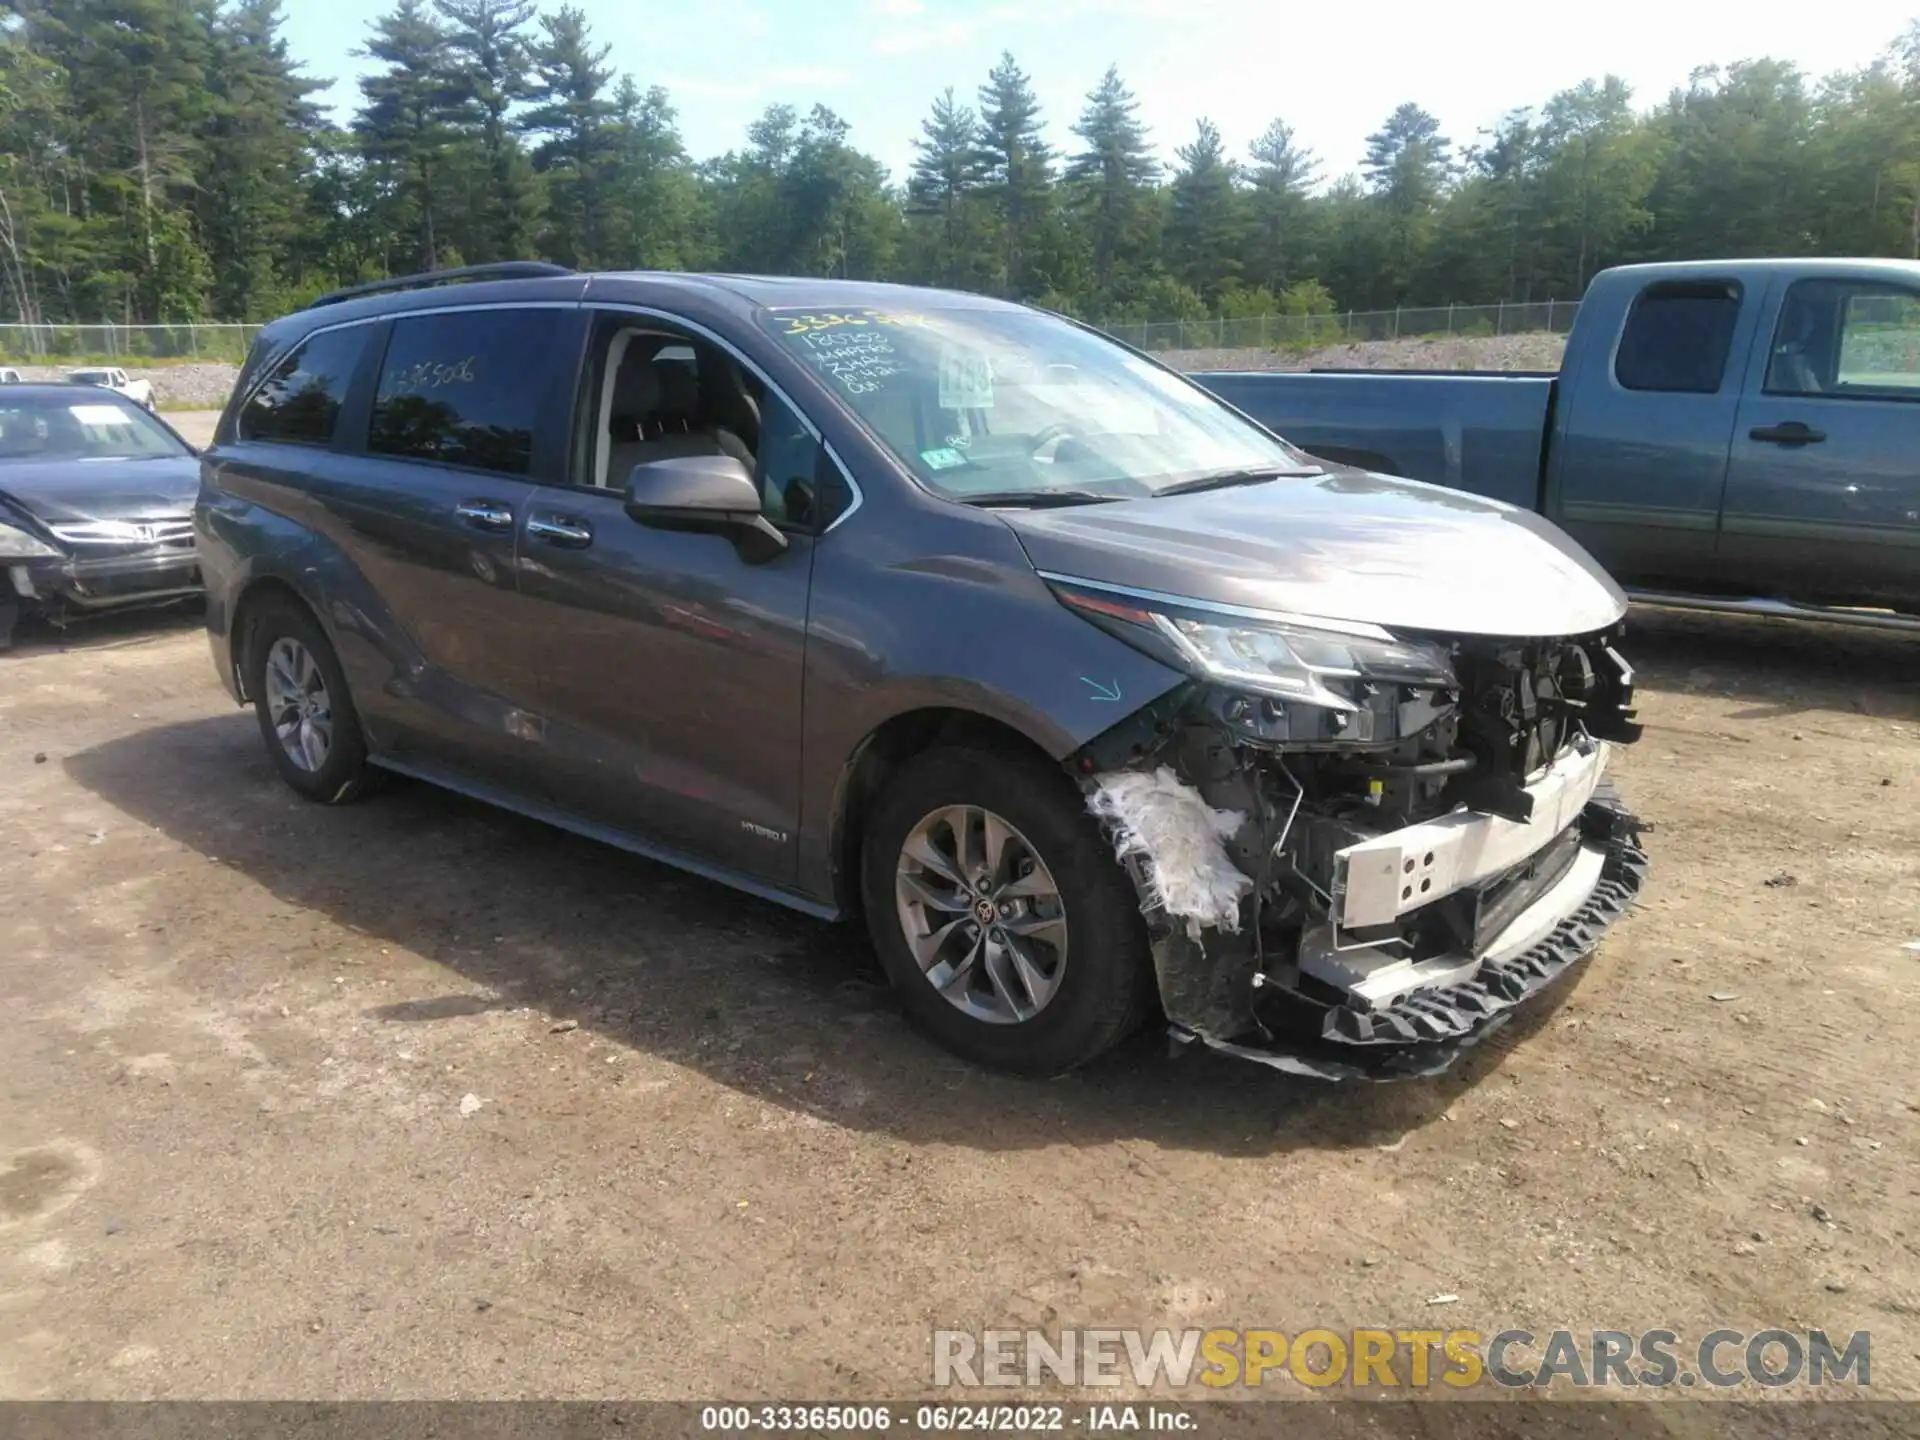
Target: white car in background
point(10, 376)
point(112, 377)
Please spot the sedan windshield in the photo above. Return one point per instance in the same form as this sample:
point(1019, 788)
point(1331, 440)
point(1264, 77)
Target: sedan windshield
point(93, 427)
point(997, 405)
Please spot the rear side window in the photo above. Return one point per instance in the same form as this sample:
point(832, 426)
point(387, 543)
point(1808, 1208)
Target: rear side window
point(1678, 336)
point(300, 402)
point(464, 389)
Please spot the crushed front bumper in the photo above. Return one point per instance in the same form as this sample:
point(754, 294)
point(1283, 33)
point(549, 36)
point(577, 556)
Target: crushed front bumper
point(1217, 990)
point(60, 587)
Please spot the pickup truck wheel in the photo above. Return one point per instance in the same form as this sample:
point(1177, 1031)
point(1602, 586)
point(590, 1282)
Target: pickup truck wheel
point(1010, 931)
point(306, 716)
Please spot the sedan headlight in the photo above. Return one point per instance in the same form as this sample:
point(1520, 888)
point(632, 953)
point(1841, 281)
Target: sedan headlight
point(1300, 659)
point(16, 544)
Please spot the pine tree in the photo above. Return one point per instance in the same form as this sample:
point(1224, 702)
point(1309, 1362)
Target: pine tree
point(409, 120)
point(1115, 173)
point(1205, 222)
point(251, 202)
point(949, 172)
point(491, 53)
point(1018, 174)
point(1407, 168)
point(1283, 173)
point(572, 109)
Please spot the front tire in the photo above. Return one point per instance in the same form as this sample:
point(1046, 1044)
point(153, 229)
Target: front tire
point(1000, 913)
point(306, 716)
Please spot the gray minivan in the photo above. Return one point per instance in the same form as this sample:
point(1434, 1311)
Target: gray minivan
point(1092, 697)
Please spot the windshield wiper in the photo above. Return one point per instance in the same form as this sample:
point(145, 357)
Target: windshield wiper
point(1037, 499)
point(1222, 479)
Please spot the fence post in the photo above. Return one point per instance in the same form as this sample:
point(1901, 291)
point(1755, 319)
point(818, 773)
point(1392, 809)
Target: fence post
point(1550, 329)
point(1396, 322)
point(1449, 317)
point(1349, 327)
point(1500, 322)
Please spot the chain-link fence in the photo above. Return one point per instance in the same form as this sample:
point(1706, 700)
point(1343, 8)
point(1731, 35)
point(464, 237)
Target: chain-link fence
point(1272, 332)
point(123, 344)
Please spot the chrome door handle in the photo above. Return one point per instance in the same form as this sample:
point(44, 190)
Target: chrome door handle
point(561, 530)
point(485, 514)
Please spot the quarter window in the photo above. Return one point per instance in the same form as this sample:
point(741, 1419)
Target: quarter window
point(464, 388)
point(1678, 337)
point(300, 402)
point(1846, 338)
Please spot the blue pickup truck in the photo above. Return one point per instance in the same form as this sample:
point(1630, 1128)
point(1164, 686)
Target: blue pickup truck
point(1739, 435)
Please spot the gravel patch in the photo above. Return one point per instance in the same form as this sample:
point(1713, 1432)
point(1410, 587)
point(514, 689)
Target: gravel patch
point(1435, 352)
point(198, 385)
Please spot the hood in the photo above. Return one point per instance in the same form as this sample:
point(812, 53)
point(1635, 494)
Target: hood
point(1348, 545)
point(58, 492)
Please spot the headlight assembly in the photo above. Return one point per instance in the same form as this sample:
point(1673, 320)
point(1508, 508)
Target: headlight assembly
point(16, 544)
point(1295, 662)
point(1299, 659)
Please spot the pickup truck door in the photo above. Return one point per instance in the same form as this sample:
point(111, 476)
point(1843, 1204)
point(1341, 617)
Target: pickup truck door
point(1823, 480)
point(1639, 457)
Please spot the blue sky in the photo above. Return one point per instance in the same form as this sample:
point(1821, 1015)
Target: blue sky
point(1332, 71)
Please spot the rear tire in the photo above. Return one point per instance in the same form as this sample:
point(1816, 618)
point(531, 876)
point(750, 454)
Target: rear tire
point(306, 715)
point(1058, 969)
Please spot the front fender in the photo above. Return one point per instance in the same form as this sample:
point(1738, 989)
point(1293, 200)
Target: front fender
point(961, 622)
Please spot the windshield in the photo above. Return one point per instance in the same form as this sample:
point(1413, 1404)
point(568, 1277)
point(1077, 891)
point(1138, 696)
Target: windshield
point(103, 428)
point(90, 377)
point(1013, 403)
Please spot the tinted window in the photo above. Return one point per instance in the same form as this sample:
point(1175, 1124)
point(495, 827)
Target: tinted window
point(464, 389)
point(1846, 338)
point(1677, 337)
point(301, 399)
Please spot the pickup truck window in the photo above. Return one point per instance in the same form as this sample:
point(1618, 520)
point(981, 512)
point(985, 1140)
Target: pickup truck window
point(1846, 339)
point(1677, 337)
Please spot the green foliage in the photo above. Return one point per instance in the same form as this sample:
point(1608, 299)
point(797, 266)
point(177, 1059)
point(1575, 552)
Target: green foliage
point(163, 161)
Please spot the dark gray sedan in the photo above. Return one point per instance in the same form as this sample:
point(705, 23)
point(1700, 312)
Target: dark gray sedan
point(96, 506)
point(1089, 695)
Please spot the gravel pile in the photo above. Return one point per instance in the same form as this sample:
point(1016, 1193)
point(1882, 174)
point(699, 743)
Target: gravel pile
point(1437, 352)
point(201, 385)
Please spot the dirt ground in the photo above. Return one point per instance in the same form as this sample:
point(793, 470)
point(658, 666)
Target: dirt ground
point(417, 1098)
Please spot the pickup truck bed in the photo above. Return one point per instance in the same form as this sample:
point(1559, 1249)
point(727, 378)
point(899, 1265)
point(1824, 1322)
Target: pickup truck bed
point(1482, 432)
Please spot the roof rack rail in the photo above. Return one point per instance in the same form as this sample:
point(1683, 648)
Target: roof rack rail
point(426, 279)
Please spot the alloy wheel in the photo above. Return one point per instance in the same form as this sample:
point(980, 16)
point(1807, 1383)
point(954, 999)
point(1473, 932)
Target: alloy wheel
point(298, 704)
point(982, 914)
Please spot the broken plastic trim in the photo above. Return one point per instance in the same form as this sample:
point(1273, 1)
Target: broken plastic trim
point(1426, 1031)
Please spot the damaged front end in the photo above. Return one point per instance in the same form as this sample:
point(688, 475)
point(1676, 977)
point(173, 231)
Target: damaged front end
point(1359, 850)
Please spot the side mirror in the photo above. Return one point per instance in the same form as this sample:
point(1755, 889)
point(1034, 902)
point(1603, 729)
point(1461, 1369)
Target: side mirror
point(709, 493)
